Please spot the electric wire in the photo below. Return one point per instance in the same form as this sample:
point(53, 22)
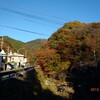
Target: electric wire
point(30, 20)
point(30, 10)
point(19, 29)
point(31, 16)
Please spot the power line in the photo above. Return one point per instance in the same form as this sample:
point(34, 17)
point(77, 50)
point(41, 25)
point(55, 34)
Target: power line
point(37, 22)
point(31, 16)
point(32, 21)
point(25, 9)
point(19, 29)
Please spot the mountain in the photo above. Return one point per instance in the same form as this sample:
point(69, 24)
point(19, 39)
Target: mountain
point(15, 44)
point(31, 45)
point(28, 48)
point(73, 45)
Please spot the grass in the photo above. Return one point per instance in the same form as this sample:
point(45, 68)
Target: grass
point(51, 84)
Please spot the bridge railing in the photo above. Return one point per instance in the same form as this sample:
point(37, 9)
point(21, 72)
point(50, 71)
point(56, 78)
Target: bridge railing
point(4, 75)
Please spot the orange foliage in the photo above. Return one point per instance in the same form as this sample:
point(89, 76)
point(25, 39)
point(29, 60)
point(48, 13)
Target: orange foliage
point(46, 57)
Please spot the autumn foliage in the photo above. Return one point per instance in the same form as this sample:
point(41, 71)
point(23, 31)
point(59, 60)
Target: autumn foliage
point(74, 44)
point(47, 58)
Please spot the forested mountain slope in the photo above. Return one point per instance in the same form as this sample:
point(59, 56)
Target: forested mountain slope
point(72, 45)
point(21, 47)
point(31, 45)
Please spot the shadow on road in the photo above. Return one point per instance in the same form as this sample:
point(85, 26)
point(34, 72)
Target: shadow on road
point(27, 89)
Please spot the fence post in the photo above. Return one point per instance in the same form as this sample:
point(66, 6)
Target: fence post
point(9, 76)
point(0, 78)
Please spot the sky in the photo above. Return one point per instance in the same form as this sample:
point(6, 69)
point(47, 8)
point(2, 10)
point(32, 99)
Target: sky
point(27, 20)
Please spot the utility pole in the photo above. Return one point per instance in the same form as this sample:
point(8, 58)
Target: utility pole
point(25, 54)
point(8, 50)
point(7, 54)
point(2, 43)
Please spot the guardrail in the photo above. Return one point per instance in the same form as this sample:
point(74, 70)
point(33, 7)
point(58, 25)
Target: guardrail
point(4, 75)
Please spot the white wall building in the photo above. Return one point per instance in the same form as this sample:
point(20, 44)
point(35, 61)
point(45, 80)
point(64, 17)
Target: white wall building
point(2, 58)
point(16, 58)
point(12, 58)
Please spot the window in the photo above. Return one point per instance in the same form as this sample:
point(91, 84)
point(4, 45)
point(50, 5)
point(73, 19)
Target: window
point(12, 59)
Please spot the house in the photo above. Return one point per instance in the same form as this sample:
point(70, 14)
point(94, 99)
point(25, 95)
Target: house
point(13, 59)
point(19, 59)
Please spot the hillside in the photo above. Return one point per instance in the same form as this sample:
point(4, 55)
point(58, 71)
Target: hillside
point(14, 43)
point(21, 47)
point(73, 45)
point(6, 44)
point(31, 45)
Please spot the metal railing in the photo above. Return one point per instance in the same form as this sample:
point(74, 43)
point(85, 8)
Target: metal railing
point(4, 75)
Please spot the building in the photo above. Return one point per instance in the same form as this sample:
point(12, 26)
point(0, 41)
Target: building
point(2, 59)
point(11, 58)
point(16, 58)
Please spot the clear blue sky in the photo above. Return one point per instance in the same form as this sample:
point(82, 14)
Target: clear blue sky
point(86, 11)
